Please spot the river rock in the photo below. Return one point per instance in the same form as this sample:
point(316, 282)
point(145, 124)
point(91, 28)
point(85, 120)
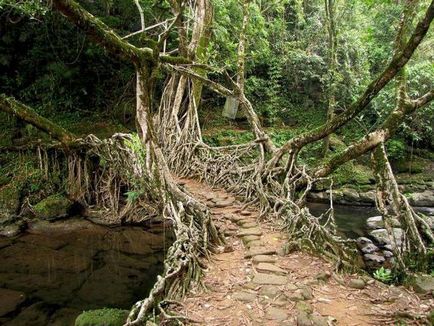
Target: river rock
point(10, 300)
point(357, 283)
point(10, 230)
point(425, 198)
point(375, 222)
point(99, 317)
point(424, 284)
point(64, 317)
point(362, 242)
point(52, 207)
point(350, 195)
point(16, 259)
point(382, 237)
point(109, 286)
point(373, 260)
point(387, 254)
point(36, 314)
point(369, 248)
point(367, 197)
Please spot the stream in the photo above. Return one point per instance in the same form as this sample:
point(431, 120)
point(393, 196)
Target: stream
point(54, 271)
point(351, 220)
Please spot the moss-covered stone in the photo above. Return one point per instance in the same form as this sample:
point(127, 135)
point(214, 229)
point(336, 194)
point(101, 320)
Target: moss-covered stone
point(102, 317)
point(52, 207)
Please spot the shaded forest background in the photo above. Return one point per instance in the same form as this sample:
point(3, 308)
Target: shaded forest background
point(51, 65)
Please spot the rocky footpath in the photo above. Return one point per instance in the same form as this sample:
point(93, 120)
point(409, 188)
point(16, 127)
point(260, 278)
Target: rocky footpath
point(254, 280)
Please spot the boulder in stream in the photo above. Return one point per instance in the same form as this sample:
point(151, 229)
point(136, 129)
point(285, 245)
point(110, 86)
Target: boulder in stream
point(105, 316)
point(52, 207)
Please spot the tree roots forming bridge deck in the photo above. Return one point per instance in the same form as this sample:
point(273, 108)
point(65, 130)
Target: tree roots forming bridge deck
point(251, 281)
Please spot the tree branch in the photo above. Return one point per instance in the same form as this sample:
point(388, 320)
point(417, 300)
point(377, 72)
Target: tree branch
point(105, 36)
point(20, 110)
point(398, 61)
point(375, 138)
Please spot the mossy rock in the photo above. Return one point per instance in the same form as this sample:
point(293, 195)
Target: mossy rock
point(52, 207)
point(102, 317)
point(10, 197)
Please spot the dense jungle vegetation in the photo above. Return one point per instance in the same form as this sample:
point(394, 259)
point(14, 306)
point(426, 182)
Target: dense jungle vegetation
point(103, 104)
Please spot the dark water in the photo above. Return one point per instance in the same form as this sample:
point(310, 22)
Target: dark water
point(66, 267)
point(350, 220)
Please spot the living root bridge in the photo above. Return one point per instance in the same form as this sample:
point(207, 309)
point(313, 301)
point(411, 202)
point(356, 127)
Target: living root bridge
point(99, 174)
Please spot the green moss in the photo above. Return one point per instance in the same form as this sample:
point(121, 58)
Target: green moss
point(10, 197)
point(102, 317)
point(410, 166)
point(353, 175)
point(52, 206)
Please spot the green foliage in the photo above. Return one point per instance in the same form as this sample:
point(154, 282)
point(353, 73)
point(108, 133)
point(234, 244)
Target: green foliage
point(132, 195)
point(25, 7)
point(228, 137)
point(395, 149)
point(383, 275)
point(102, 317)
point(353, 174)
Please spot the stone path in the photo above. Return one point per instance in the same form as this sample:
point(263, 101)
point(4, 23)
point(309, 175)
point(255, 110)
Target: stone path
point(253, 282)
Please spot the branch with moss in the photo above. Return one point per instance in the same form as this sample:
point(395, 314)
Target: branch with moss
point(375, 138)
point(105, 36)
point(27, 114)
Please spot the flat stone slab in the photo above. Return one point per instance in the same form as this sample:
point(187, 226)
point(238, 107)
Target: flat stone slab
point(269, 279)
point(10, 300)
point(276, 314)
point(245, 232)
point(270, 291)
point(259, 251)
point(244, 296)
point(245, 213)
point(234, 218)
point(250, 238)
point(270, 268)
point(263, 259)
point(224, 203)
point(256, 244)
point(249, 225)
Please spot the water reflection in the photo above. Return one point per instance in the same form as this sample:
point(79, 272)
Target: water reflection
point(65, 267)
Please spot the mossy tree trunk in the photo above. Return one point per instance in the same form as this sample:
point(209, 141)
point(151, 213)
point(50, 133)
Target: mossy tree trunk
point(27, 114)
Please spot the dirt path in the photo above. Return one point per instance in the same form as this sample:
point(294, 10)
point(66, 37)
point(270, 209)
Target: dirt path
point(252, 281)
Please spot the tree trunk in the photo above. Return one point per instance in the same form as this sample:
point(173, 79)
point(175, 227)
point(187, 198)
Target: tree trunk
point(332, 66)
